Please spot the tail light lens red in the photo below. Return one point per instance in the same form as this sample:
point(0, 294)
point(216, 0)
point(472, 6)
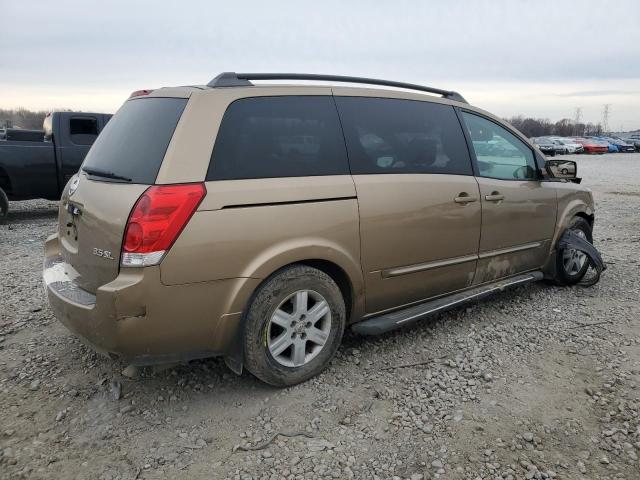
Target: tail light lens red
point(156, 221)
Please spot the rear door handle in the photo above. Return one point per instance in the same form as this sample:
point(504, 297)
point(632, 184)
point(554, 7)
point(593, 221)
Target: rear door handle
point(494, 197)
point(464, 198)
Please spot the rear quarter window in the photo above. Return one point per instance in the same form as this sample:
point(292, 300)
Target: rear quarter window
point(83, 130)
point(136, 138)
point(288, 136)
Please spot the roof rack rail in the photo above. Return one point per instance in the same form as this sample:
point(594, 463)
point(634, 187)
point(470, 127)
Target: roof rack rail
point(232, 79)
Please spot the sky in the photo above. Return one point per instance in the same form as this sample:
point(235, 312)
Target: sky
point(535, 58)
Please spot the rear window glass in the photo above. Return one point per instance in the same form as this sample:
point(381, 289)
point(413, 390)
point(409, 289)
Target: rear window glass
point(134, 142)
point(83, 131)
point(267, 137)
point(403, 136)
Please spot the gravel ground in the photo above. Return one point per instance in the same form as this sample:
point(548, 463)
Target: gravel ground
point(538, 382)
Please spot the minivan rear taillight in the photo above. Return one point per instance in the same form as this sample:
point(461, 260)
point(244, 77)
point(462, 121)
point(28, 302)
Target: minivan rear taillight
point(156, 220)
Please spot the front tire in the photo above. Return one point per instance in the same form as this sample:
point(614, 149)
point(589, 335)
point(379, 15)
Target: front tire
point(293, 326)
point(572, 265)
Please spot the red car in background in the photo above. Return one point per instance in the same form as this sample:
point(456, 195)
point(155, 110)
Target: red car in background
point(592, 146)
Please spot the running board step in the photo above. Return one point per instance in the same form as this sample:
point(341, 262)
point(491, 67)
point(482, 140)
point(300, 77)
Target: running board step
point(407, 316)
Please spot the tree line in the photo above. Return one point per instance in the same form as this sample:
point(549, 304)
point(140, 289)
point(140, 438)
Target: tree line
point(22, 118)
point(531, 127)
point(539, 127)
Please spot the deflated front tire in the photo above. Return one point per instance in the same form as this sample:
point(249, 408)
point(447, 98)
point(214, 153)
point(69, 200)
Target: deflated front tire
point(571, 264)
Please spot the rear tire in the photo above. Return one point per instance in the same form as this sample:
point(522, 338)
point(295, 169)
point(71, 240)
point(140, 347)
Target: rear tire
point(4, 206)
point(571, 266)
point(286, 341)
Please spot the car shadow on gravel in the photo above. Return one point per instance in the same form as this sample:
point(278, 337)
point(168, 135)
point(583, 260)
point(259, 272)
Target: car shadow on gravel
point(213, 371)
point(450, 317)
point(210, 375)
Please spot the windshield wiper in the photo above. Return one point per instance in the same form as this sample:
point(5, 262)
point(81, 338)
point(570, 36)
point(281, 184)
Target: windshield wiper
point(104, 173)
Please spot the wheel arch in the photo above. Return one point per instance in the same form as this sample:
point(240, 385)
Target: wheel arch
point(588, 217)
point(572, 203)
point(337, 262)
point(344, 271)
point(339, 276)
point(4, 206)
point(5, 182)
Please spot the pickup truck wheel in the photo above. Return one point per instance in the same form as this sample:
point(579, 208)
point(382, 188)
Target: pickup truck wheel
point(4, 206)
point(294, 326)
point(572, 265)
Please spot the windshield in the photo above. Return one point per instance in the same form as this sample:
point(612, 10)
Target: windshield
point(132, 145)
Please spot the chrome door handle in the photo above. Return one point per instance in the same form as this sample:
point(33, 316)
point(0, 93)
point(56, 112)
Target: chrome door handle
point(464, 198)
point(494, 197)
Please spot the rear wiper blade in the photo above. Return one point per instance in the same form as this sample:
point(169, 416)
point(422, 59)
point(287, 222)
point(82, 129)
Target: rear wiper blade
point(104, 173)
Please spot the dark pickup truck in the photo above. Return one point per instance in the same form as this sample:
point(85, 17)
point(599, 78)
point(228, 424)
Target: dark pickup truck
point(39, 165)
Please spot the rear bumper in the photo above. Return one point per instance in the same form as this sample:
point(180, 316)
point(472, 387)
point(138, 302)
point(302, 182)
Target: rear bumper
point(140, 320)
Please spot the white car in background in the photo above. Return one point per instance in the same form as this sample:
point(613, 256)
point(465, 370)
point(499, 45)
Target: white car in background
point(569, 144)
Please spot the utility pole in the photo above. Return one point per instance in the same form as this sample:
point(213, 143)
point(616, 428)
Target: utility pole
point(605, 117)
point(577, 119)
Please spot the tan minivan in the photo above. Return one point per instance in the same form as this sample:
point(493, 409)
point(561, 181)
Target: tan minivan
point(258, 222)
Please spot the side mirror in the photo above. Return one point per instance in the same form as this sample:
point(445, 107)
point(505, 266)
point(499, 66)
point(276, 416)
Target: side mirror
point(565, 169)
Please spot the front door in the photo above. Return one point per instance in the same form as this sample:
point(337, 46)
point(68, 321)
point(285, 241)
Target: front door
point(418, 200)
point(518, 210)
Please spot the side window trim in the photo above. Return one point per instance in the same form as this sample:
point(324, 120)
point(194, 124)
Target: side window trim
point(472, 152)
point(344, 135)
point(467, 139)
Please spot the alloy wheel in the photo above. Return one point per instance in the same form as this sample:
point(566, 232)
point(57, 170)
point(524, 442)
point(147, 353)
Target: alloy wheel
point(299, 328)
point(573, 260)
